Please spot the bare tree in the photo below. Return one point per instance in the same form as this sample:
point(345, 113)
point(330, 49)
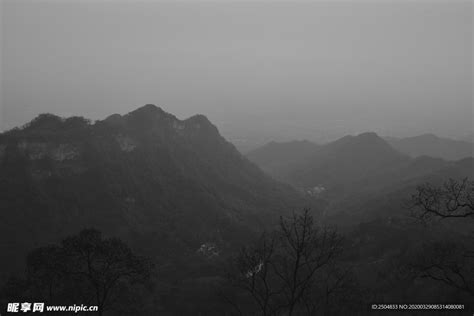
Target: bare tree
point(253, 274)
point(45, 268)
point(103, 262)
point(451, 263)
point(453, 199)
point(282, 271)
point(305, 250)
point(88, 266)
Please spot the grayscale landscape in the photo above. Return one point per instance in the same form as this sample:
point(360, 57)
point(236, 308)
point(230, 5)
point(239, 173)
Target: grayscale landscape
point(255, 157)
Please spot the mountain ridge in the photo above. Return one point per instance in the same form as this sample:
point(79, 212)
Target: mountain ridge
point(142, 173)
point(343, 160)
point(434, 146)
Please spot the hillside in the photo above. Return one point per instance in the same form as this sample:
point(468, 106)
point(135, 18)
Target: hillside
point(336, 164)
point(145, 175)
point(433, 146)
point(383, 196)
point(362, 177)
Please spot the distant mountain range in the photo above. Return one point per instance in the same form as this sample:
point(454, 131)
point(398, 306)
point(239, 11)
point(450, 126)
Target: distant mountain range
point(169, 186)
point(337, 163)
point(350, 158)
point(145, 175)
point(433, 146)
point(362, 176)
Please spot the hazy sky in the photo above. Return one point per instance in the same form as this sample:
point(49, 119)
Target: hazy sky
point(284, 69)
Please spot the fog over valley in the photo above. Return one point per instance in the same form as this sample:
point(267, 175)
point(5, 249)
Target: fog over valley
point(257, 157)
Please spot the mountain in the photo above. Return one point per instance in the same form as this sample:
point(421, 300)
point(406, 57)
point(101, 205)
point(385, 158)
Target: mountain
point(361, 176)
point(434, 146)
point(348, 160)
point(143, 176)
point(384, 195)
point(337, 164)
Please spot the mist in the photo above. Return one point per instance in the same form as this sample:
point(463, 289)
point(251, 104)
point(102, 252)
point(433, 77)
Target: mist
point(258, 70)
point(255, 157)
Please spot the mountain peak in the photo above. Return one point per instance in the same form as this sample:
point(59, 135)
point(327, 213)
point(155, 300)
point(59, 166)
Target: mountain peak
point(149, 115)
point(368, 139)
point(201, 122)
point(366, 146)
point(45, 121)
point(148, 109)
point(199, 118)
point(368, 135)
point(114, 120)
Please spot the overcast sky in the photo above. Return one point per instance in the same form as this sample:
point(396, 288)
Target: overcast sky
point(288, 69)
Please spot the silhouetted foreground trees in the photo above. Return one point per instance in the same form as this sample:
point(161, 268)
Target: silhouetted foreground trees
point(300, 268)
point(83, 269)
point(295, 270)
point(448, 261)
